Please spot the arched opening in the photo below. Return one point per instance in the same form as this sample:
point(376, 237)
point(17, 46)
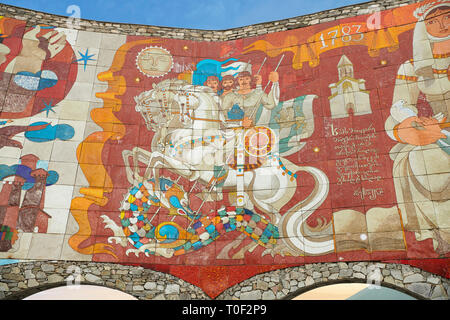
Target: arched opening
point(353, 291)
point(80, 292)
point(350, 109)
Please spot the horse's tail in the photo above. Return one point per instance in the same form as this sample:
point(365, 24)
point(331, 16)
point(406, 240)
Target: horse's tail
point(298, 237)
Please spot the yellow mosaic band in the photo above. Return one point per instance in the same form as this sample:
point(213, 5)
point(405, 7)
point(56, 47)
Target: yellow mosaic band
point(407, 78)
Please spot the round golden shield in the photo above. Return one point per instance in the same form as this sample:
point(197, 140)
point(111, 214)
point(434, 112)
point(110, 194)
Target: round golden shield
point(259, 141)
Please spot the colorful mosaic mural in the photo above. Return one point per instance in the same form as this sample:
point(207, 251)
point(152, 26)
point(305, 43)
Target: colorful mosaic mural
point(215, 161)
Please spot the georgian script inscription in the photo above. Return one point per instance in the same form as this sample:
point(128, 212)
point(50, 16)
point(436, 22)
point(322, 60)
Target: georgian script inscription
point(360, 160)
point(370, 193)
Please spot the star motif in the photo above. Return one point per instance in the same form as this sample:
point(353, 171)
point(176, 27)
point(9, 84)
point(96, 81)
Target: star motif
point(85, 58)
point(48, 107)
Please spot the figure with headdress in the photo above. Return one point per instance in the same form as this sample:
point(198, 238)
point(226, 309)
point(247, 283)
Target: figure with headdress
point(421, 156)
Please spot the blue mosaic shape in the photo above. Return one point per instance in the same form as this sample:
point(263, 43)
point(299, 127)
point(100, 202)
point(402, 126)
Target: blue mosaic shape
point(235, 113)
point(264, 238)
point(211, 228)
point(267, 233)
point(197, 225)
point(197, 245)
point(134, 236)
point(36, 81)
point(215, 234)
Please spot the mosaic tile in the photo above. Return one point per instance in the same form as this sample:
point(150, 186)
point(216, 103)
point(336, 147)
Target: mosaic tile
point(45, 246)
point(89, 39)
point(81, 91)
point(67, 253)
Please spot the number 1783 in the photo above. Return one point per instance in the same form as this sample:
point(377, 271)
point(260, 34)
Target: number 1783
point(346, 33)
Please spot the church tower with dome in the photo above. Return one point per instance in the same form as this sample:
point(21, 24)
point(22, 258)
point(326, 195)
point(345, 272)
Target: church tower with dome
point(348, 95)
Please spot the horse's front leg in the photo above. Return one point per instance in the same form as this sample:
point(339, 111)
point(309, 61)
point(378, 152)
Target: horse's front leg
point(155, 164)
point(132, 166)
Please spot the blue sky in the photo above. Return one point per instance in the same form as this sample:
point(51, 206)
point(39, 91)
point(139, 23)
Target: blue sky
point(198, 14)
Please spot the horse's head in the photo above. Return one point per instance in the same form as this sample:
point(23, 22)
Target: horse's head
point(158, 104)
point(148, 107)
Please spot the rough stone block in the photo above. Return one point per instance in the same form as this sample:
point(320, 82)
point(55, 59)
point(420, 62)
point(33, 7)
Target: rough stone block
point(417, 277)
point(172, 288)
point(251, 295)
point(423, 289)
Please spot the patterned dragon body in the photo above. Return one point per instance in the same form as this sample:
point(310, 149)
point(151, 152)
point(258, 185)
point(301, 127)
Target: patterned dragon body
point(145, 235)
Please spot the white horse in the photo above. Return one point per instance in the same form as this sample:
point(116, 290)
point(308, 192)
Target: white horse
point(198, 148)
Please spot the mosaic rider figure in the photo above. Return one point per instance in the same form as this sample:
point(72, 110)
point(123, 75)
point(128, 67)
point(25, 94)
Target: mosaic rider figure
point(241, 103)
point(239, 108)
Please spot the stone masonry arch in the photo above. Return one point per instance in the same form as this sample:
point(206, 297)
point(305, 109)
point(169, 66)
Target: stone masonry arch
point(26, 278)
point(290, 282)
point(351, 281)
point(23, 279)
point(25, 293)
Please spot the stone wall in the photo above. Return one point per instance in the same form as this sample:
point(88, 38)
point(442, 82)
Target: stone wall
point(25, 278)
point(33, 18)
point(31, 277)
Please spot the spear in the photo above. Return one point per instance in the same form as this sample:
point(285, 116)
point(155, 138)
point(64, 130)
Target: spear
point(276, 69)
point(215, 180)
point(212, 186)
point(264, 61)
point(260, 97)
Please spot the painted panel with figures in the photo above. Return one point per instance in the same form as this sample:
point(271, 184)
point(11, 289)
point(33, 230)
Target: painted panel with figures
point(215, 161)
